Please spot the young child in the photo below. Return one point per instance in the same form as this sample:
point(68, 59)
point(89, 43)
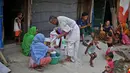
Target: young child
point(110, 64)
point(17, 27)
point(109, 42)
point(91, 49)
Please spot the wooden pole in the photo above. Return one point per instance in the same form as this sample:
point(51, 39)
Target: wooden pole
point(3, 58)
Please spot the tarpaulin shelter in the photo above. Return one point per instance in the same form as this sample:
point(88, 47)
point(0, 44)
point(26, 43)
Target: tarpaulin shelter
point(1, 32)
point(1, 21)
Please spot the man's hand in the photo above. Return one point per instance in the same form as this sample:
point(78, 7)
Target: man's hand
point(59, 36)
point(89, 24)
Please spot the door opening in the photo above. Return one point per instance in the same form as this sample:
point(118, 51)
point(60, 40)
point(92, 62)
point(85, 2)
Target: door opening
point(11, 8)
point(108, 15)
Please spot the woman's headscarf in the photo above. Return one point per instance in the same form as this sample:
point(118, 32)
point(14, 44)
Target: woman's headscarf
point(38, 49)
point(27, 40)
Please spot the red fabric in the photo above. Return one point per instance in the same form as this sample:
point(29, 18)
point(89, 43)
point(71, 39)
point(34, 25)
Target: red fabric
point(125, 39)
point(17, 33)
point(108, 50)
point(122, 18)
point(111, 65)
point(43, 62)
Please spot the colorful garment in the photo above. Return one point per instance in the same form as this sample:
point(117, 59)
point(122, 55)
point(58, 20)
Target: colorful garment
point(92, 48)
point(43, 61)
point(27, 40)
point(38, 49)
point(125, 39)
point(109, 50)
point(107, 29)
point(111, 65)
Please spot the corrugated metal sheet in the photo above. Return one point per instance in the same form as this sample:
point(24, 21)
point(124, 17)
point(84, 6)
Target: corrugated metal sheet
point(42, 9)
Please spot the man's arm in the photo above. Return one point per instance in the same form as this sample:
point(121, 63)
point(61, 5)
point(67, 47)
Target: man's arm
point(65, 28)
point(63, 34)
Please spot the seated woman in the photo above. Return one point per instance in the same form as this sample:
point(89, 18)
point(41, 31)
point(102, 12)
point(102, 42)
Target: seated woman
point(27, 40)
point(39, 53)
point(106, 29)
point(123, 37)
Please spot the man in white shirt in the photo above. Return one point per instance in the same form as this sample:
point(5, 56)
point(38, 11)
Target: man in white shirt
point(72, 33)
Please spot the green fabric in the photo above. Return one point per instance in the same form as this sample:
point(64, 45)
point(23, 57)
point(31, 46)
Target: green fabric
point(27, 40)
point(89, 31)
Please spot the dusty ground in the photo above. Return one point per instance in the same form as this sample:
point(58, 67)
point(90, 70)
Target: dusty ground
point(19, 63)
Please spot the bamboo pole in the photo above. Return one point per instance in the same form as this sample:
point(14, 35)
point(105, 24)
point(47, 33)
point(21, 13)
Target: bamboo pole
point(3, 58)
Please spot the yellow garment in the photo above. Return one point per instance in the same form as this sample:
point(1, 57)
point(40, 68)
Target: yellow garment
point(125, 28)
point(127, 32)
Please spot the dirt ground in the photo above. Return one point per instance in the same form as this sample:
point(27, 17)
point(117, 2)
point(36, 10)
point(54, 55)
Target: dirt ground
point(19, 62)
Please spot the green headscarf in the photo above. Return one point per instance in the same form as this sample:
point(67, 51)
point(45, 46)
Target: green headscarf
point(27, 40)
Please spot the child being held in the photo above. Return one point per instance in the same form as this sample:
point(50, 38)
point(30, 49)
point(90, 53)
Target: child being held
point(91, 49)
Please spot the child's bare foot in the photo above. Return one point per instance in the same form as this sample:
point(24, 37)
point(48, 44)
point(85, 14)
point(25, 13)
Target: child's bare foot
point(91, 64)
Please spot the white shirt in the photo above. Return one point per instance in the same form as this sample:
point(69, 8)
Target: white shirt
point(16, 27)
point(69, 25)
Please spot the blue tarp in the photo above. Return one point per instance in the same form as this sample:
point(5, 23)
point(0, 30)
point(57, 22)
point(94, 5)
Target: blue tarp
point(1, 41)
point(1, 11)
point(1, 2)
point(1, 25)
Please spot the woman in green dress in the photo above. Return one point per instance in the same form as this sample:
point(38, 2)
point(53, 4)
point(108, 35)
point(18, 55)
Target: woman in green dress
point(27, 40)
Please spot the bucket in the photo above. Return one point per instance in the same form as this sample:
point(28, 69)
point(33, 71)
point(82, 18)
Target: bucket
point(55, 60)
point(53, 54)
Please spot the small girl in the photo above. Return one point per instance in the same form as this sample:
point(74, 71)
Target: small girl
point(91, 49)
point(110, 64)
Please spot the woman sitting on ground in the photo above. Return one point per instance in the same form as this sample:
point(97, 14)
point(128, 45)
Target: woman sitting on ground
point(27, 40)
point(39, 53)
point(106, 29)
point(122, 37)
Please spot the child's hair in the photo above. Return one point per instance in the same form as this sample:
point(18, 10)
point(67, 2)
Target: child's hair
point(19, 13)
point(110, 54)
point(95, 36)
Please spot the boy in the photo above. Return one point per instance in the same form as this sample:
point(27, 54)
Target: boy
point(17, 27)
